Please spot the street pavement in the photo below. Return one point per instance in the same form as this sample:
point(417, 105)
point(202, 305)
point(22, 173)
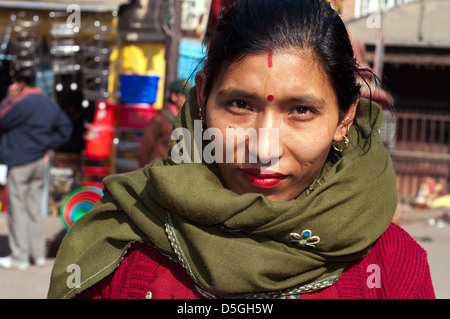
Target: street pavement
point(427, 227)
point(32, 283)
point(431, 229)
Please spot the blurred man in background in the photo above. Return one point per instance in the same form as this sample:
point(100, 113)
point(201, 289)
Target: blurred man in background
point(30, 125)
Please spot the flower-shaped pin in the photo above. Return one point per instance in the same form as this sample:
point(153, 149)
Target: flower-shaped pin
point(305, 239)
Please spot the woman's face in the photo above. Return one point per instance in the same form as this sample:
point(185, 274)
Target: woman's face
point(289, 97)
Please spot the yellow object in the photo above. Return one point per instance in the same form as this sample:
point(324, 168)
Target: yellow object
point(113, 78)
point(443, 201)
point(141, 58)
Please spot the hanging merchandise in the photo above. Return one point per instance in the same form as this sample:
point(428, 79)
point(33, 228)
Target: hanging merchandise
point(26, 39)
point(142, 73)
point(99, 137)
point(132, 120)
point(97, 41)
point(64, 46)
point(135, 115)
point(99, 134)
point(143, 29)
point(136, 88)
point(77, 203)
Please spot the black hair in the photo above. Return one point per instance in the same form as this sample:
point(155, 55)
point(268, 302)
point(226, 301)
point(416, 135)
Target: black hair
point(25, 75)
point(254, 26)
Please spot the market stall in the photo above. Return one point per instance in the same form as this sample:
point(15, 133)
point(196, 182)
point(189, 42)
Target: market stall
point(119, 56)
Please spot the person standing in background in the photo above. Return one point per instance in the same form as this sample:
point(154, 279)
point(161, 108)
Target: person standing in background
point(156, 138)
point(30, 125)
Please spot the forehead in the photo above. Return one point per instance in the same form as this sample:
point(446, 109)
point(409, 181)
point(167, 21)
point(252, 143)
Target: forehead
point(278, 73)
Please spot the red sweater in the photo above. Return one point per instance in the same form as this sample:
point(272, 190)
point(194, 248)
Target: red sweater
point(400, 262)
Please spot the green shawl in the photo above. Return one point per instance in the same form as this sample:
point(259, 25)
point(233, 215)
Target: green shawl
point(234, 245)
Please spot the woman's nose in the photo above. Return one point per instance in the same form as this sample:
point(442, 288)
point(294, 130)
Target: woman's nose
point(267, 147)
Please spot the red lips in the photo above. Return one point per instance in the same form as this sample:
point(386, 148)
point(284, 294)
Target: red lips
point(258, 179)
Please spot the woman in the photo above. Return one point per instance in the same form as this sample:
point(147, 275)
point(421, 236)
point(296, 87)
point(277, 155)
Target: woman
point(310, 216)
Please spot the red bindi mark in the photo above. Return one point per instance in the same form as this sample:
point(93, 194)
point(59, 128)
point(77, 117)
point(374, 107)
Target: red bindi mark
point(269, 55)
point(269, 59)
point(269, 64)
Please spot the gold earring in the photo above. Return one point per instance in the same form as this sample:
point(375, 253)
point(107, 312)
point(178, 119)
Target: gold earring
point(200, 114)
point(346, 141)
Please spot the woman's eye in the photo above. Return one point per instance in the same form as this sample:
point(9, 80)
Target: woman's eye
point(302, 111)
point(240, 104)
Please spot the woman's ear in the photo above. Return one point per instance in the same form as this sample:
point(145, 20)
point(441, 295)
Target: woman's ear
point(344, 125)
point(200, 81)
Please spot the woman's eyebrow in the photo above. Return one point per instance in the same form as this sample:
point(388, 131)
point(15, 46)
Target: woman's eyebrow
point(236, 93)
point(307, 99)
